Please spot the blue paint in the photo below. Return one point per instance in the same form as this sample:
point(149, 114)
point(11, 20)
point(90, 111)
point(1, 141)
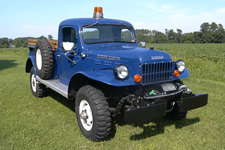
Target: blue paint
point(101, 59)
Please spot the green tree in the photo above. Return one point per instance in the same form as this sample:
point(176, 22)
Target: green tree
point(220, 27)
point(166, 32)
point(213, 27)
point(18, 42)
point(160, 38)
point(189, 38)
point(198, 37)
point(179, 35)
point(219, 35)
point(25, 44)
point(42, 37)
point(50, 37)
point(172, 36)
point(145, 35)
point(208, 37)
point(205, 27)
point(10, 41)
point(4, 43)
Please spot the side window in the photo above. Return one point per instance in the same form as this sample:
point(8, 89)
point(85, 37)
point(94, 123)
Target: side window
point(69, 35)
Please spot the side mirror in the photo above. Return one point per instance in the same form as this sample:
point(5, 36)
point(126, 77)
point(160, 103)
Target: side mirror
point(142, 44)
point(68, 46)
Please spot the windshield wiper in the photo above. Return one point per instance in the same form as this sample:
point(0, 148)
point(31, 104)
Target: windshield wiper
point(88, 26)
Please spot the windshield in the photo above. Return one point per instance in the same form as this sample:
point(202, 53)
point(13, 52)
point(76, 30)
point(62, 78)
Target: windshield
point(108, 34)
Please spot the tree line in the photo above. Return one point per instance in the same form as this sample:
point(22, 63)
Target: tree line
point(208, 33)
point(20, 41)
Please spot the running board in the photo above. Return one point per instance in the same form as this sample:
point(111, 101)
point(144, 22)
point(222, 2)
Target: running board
point(55, 85)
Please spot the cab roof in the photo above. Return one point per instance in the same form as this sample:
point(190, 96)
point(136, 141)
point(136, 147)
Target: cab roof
point(88, 21)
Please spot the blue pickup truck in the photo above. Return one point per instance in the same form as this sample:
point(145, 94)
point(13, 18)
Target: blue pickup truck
point(99, 63)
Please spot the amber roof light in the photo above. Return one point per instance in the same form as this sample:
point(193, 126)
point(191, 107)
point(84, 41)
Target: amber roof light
point(98, 12)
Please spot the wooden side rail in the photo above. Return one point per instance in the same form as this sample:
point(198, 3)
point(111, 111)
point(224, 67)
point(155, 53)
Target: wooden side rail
point(53, 43)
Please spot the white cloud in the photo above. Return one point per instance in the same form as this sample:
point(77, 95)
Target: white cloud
point(188, 23)
point(220, 11)
point(158, 8)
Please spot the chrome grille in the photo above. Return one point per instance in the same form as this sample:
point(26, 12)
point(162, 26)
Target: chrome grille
point(157, 72)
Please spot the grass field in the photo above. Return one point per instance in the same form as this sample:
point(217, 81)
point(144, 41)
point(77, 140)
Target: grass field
point(49, 123)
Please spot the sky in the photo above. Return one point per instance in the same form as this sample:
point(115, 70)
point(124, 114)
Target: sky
point(26, 18)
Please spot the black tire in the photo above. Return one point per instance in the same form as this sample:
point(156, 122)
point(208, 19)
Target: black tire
point(38, 89)
point(100, 127)
point(43, 56)
point(175, 114)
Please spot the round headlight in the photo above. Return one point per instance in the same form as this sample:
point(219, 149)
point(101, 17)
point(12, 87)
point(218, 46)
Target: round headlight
point(180, 65)
point(121, 72)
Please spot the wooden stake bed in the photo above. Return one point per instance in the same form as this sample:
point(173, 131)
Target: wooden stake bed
point(53, 43)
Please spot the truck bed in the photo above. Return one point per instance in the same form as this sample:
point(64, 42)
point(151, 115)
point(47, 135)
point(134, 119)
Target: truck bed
point(53, 43)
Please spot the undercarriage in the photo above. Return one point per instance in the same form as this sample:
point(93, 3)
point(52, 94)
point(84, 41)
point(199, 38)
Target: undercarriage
point(156, 101)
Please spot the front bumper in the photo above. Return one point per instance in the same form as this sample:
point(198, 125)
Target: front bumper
point(158, 110)
point(192, 101)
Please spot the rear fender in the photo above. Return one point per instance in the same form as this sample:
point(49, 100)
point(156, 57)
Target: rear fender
point(29, 64)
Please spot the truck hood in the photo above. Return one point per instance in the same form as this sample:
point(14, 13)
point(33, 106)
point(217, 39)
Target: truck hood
point(129, 54)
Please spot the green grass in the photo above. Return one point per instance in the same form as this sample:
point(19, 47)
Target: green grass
point(27, 122)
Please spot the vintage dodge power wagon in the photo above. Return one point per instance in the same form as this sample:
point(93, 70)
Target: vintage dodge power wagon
point(99, 63)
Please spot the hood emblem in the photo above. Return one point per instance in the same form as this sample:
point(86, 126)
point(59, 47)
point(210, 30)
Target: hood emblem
point(108, 57)
point(157, 57)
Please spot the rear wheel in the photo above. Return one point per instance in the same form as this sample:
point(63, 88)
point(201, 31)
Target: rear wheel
point(93, 115)
point(38, 89)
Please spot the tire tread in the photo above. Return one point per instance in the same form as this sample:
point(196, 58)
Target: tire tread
point(47, 59)
point(103, 116)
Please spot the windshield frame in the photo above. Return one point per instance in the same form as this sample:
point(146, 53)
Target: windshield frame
point(103, 42)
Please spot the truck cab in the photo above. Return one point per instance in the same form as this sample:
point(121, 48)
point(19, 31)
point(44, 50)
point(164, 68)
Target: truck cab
point(98, 62)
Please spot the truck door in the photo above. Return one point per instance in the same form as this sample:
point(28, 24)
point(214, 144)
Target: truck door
point(67, 59)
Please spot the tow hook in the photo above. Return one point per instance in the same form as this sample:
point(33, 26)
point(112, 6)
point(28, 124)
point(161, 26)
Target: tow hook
point(169, 110)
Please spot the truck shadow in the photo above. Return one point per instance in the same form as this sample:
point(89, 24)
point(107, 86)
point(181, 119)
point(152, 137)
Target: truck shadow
point(62, 100)
point(5, 64)
point(155, 128)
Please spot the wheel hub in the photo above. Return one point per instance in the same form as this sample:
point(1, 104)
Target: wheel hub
point(85, 114)
point(33, 83)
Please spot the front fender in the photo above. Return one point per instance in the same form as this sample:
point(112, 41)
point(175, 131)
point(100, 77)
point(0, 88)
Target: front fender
point(108, 77)
point(183, 75)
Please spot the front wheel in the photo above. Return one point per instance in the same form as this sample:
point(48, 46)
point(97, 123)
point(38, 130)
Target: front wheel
point(92, 112)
